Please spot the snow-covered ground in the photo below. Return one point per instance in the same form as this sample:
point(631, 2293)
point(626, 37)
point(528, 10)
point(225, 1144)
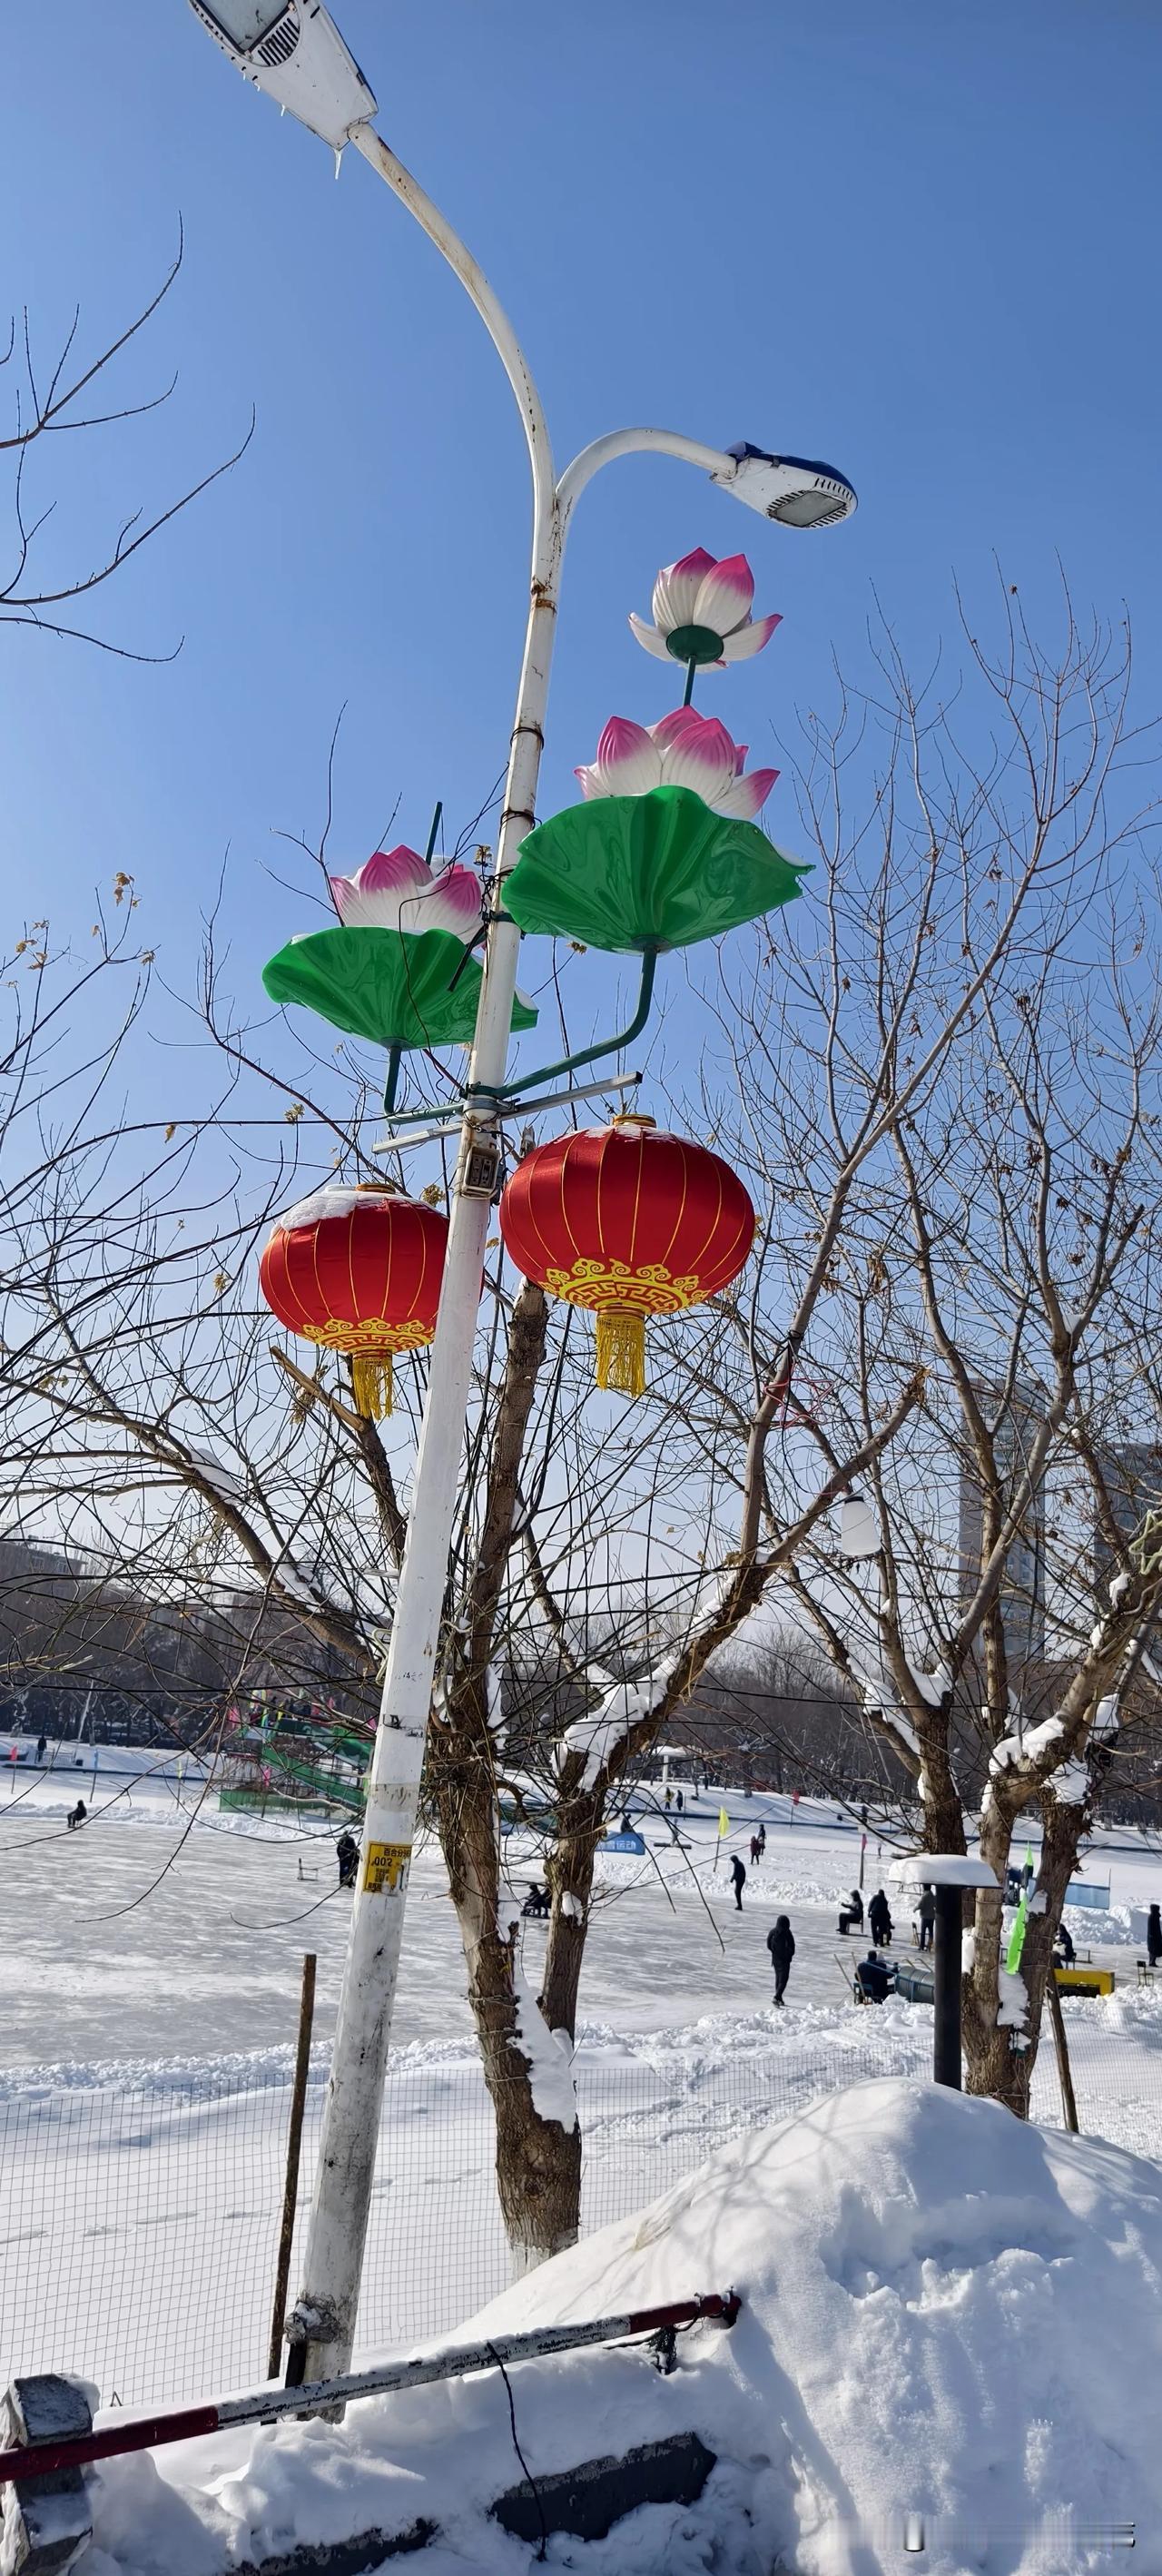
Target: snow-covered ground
point(151, 2001)
point(946, 2315)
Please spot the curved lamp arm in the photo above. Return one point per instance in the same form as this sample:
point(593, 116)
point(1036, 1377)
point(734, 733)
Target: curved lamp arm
point(492, 313)
point(636, 442)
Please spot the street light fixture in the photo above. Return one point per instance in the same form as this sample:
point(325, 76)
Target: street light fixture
point(795, 490)
point(293, 50)
point(297, 55)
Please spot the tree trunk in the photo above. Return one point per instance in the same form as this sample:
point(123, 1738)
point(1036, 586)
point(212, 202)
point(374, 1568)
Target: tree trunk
point(538, 2162)
point(995, 2067)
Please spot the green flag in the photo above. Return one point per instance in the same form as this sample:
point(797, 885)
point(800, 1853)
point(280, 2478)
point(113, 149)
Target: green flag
point(1017, 1935)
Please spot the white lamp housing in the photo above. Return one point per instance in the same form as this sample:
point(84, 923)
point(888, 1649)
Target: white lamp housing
point(795, 490)
point(858, 1533)
point(293, 50)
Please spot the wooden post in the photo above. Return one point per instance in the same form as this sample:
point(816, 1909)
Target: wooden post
point(293, 2147)
point(1057, 2017)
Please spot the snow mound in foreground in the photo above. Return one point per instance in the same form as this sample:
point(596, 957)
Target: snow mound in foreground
point(946, 2311)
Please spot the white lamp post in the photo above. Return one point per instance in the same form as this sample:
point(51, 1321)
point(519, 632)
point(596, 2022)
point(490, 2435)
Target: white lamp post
point(295, 53)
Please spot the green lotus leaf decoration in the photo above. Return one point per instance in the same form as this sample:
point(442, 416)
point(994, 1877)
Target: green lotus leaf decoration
point(654, 871)
point(387, 985)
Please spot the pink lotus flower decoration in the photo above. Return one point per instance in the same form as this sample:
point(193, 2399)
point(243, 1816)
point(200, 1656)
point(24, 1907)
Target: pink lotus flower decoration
point(684, 750)
point(702, 612)
point(396, 890)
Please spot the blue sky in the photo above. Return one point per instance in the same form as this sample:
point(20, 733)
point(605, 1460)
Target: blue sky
point(921, 243)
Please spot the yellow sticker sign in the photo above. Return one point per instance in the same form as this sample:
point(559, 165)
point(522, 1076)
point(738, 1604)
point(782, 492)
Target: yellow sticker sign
point(385, 1868)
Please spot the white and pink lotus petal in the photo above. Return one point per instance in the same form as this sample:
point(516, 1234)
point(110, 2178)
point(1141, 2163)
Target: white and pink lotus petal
point(677, 588)
point(627, 762)
point(724, 595)
point(714, 597)
point(395, 890)
point(696, 752)
point(748, 639)
point(370, 900)
point(649, 637)
point(450, 902)
point(743, 798)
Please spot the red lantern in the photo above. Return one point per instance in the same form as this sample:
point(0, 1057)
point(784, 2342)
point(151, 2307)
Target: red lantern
point(628, 1223)
point(359, 1271)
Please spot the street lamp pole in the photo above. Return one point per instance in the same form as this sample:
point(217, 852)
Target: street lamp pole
point(258, 35)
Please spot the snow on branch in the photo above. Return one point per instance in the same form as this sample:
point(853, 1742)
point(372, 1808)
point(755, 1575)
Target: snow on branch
point(548, 2056)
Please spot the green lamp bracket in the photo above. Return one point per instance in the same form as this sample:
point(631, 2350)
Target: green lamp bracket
point(566, 1064)
point(586, 1055)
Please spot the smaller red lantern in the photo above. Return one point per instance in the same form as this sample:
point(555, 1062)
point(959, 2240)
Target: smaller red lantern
point(629, 1223)
point(358, 1271)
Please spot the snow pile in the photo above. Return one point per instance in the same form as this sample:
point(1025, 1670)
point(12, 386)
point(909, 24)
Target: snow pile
point(331, 1201)
point(946, 2312)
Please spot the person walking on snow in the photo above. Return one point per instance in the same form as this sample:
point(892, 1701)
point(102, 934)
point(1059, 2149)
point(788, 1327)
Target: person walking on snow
point(669, 1800)
point(879, 1921)
point(738, 1874)
point(1154, 1936)
point(762, 1840)
point(781, 1944)
point(41, 1747)
point(755, 1850)
point(926, 1914)
point(347, 1855)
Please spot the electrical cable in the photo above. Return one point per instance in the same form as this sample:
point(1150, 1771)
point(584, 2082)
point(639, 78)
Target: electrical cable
point(530, 2480)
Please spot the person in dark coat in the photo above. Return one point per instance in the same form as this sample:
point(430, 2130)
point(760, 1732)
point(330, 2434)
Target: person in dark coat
point(77, 1815)
point(347, 1855)
point(755, 1850)
point(1064, 1953)
point(41, 1747)
point(738, 1874)
point(879, 1921)
point(873, 1979)
point(926, 1914)
point(781, 1944)
point(1154, 1936)
point(680, 1802)
point(851, 1913)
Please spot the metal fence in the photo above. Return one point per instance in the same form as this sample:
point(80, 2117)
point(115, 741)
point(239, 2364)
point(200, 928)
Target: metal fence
point(139, 2222)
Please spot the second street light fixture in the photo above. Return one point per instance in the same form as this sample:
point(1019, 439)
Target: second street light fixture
point(295, 54)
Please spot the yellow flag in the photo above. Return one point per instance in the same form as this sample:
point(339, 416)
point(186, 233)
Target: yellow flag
point(723, 1823)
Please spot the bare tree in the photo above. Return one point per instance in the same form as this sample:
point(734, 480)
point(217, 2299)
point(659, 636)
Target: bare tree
point(154, 1424)
point(948, 1077)
point(58, 400)
point(957, 1033)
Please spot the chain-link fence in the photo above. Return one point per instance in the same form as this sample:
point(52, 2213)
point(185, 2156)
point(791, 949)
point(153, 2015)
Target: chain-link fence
point(140, 2223)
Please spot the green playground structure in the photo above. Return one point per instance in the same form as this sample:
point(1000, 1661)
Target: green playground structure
point(297, 1764)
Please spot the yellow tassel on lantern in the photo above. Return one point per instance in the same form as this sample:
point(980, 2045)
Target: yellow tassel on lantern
point(621, 1350)
point(371, 1374)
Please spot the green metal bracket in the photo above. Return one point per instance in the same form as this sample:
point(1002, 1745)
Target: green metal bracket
point(544, 1072)
point(587, 1055)
point(394, 1061)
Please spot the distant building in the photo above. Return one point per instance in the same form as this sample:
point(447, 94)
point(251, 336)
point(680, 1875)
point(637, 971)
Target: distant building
point(1023, 1591)
point(1132, 1477)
